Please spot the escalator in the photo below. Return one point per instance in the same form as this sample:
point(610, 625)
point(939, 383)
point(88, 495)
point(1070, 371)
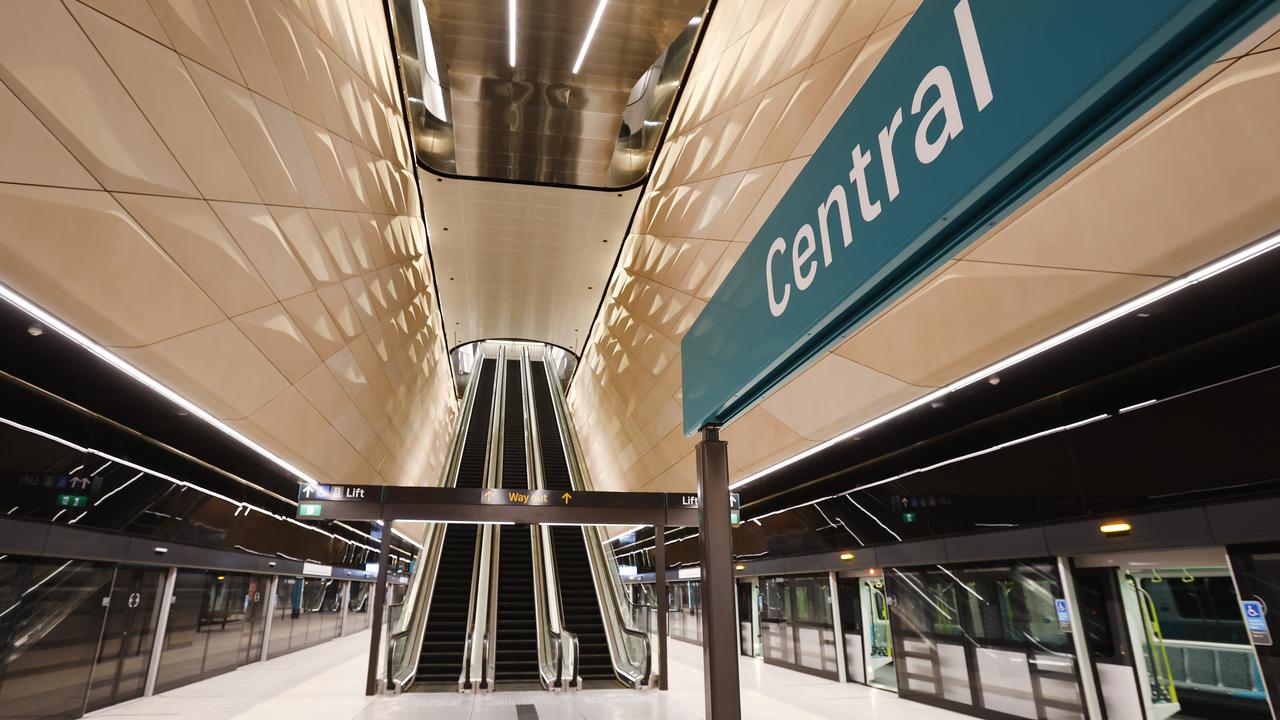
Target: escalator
point(516, 631)
point(578, 600)
point(444, 640)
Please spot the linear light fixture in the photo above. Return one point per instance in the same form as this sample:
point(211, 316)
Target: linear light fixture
point(248, 507)
point(1173, 286)
point(591, 33)
point(511, 33)
point(50, 321)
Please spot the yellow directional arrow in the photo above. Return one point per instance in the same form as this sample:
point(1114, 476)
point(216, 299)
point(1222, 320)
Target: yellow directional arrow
point(488, 494)
point(567, 498)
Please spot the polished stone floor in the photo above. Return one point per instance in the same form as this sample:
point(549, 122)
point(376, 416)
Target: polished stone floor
point(326, 682)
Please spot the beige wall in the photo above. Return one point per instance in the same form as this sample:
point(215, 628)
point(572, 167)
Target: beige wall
point(221, 192)
point(1197, 177)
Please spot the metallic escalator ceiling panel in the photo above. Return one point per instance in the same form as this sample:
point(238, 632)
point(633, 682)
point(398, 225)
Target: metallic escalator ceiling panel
point(538, 121)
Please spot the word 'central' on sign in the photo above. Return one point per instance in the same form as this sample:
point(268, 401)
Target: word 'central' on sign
point(941, 122)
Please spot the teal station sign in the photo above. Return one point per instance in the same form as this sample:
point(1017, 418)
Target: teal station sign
point(976, 107)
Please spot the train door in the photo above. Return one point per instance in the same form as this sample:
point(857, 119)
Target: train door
point(877, 640)
point(851, 624)
point(1188, 646)
point(120, 669)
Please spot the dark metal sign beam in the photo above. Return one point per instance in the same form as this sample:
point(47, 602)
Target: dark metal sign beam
point(377, 502)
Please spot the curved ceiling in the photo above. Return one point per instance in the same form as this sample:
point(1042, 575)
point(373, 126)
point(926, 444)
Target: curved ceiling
point(522, 261)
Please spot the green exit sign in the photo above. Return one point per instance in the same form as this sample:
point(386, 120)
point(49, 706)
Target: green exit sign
point(908, 517)
point(73, 501)
point(308, 509)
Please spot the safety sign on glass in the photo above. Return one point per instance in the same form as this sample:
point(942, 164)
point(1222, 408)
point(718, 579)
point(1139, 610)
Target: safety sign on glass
point(1255, 618)
point(1064, 614)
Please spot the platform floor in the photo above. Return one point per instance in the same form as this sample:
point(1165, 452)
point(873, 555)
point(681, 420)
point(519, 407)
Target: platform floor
point(326, 682)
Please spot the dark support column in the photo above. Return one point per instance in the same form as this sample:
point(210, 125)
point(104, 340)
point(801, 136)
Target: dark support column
point(719, 621)
point(379, 601)
point(660, 592)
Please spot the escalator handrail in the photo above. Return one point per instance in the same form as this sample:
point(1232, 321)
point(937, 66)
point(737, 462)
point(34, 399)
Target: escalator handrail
point(493, 479)
point(602, 563)
point(414, 619)
point(464, 678)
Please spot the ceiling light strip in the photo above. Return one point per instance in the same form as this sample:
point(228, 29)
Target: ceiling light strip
point(935, 466)
point(511, 33)
point(175, 481)
point(1226, 263)
point(52, 322)
point(591, 33)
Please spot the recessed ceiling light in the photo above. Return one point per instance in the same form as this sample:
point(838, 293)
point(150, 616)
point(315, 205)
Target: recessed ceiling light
point(35, 331)
point(994, 380)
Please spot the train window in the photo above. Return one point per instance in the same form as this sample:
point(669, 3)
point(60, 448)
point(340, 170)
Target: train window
point(1199, 608)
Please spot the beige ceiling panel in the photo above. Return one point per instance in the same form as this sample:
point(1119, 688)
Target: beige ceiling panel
point(813, 93)
point(41, 46)
point(1273, 43)
point(975, 313)
point(279, 35)
point(136, 14)
point(329, 166)
point(237, 115)
point(356, 241)
point(348, 372)
point(335, 241)
point(322, 390)
point(256, 233)
point(352, 426)
point(216, 367)
point(860, 59)
point(785, 175)
point(751, 143)
point(745, 199)
point(29, 154)
point(759, 439)
point(340, 309)
point(158, 82)
point(1194, 185)
point(194, 30)
point(835, 394)
point(275, 334)
point(128, 293)
point(899, 10)
point(808, 38)
point(735, 125)
point(321, 68)
point(247, 43)
point(194, 237)
point(860, 19)
point(701, 266)
point(301, 233)
point(286, 136)
point(291, 426)
point(309, 313)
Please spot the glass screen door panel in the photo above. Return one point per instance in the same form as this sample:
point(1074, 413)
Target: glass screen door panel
point(877, 639)
point(120, 672)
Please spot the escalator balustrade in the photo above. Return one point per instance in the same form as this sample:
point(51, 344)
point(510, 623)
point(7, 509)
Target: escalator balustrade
point(573, 567)
point(444, 640)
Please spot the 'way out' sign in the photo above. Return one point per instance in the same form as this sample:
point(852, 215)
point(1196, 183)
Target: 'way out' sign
point(977, 106)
